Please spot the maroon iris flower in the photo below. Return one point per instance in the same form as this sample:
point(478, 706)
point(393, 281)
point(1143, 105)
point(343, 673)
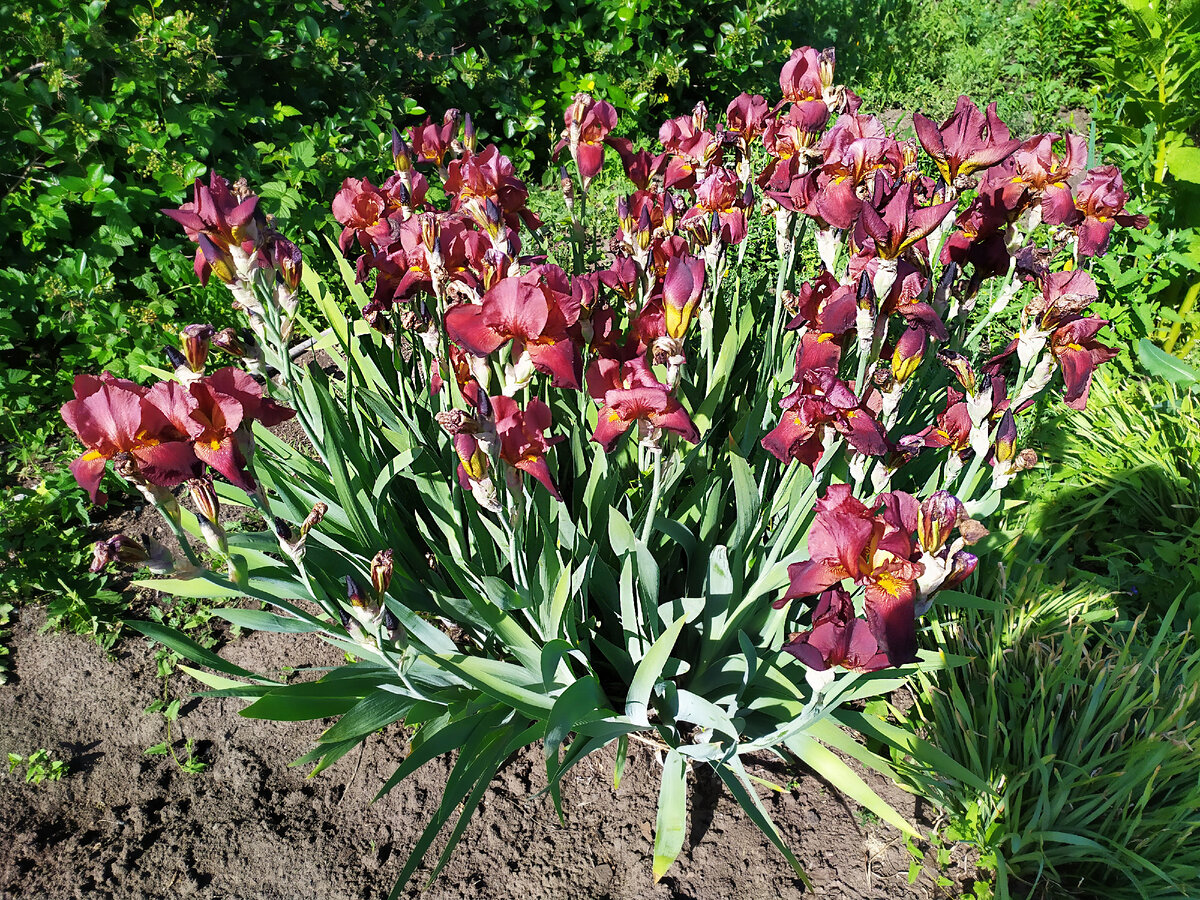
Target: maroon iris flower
point(523, 441)
point(113, 417)
point(490, 176)
point(746, 116)
point(431, 143)
point(821, 401)
point(534, 311)
point(800, 78)
point(1100, 201)
point(900, 222)
point(967, 141)
point(1039, 167)
point(873, 547)
point(216, 413)
point(1078, 353)
point(837, 637)
point(953, 427)
point(590, 122)
point(627, 393)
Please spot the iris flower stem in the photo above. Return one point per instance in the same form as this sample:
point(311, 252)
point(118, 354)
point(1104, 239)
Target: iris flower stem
point(994, 309)
point(655, 490)
point(181, 536)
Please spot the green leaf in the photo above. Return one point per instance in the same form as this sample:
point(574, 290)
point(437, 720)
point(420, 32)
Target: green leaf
point(1163, 365)
point(648, 671)
point(619, 766)
point(214, 681)
point(738, 780)
point(200, 587)
point(672, 813)
point(830, 767)
point(312, 699)
point(375, 711)
point(1184, 163)
point(189, 649)
point(261, 620)
point(746, 500)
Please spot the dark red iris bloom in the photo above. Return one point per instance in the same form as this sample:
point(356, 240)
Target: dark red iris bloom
point(746, 116)
point(967, 141)
point(113, 417)
point(627, 393)
point(819, 401)
point(1038, 167)
point(431, 143)
point(490, 176)
point(535, 311)
point(899, 222)
point(590, 121)
point(837, 637)
point(688, 146)
point(1078, 353)
point(873, 547)
point(800, 77)
point(218, 219)
point(953, 427)
point(640, 166)
point(827, 310)
point(1100, 202)
point(721, 193)
point(523, 441)
point(216, 413)
point(360, 208)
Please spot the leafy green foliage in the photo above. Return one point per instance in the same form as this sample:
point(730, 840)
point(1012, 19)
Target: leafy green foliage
point(39, 766)
point(44, 527)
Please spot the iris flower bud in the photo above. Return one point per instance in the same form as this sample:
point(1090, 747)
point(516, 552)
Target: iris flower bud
point(909, 352)
point(204, 495)
point(381, 571)
point(961, 368)
point(354, 593)
point(1006, 437)
point(401, 156)
point(395, 631)
point(227, 339)
point(196, 339)
point(936, 519)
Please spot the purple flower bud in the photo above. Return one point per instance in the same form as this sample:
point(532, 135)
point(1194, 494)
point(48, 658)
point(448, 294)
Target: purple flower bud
point(962, 369)
point(227, 339)
point(1006, 437)
point(175, 359)
point(354, 593)
point(909, 352)
point(204, 495)
point(401, 156)
point(469, 137)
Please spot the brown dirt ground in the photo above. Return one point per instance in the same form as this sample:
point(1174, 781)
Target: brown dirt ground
point(125, 825)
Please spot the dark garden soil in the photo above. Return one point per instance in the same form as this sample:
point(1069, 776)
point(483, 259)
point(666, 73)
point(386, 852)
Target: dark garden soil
point(125, 825)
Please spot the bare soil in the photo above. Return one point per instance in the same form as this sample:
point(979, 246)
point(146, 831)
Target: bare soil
point(125, 825)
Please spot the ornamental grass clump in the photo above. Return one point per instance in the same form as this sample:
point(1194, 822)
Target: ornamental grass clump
point(581, 489)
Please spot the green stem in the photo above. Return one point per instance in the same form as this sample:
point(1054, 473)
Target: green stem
point(655, 490)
